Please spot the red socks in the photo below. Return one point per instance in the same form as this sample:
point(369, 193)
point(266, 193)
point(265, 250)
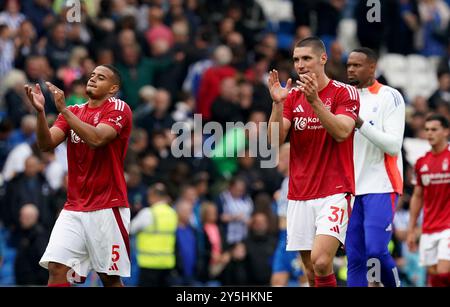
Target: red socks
point(440, 280)
point(64, 285)
point(325, 281)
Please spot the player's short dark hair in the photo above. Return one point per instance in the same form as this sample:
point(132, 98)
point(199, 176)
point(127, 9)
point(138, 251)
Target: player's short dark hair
point(440, 118)
point(314, 42)
point(116, 73)
point(370, 54)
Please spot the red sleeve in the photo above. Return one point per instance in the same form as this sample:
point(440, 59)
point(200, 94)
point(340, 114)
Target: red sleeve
point(348, 101)
point(417, 180)
point(118, 116)
point(61, 122)
point(287, 108)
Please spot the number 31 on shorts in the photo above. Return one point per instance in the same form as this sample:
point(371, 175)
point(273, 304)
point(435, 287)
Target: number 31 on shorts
point(335, 212)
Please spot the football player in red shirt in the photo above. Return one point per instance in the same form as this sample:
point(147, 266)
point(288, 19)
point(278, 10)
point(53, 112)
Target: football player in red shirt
point(320, 115)
point(91, 232)
point(432, 192)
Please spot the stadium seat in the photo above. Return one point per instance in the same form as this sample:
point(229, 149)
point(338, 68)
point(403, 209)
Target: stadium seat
point(418, 63)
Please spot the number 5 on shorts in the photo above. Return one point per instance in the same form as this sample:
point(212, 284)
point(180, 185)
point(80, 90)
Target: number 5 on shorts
point(335, 215)
point(115, 253)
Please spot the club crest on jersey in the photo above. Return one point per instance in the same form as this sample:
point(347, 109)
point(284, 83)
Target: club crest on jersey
point(445, 165)
point(75, 138)
point(426, 179)
point(327, 104)
point(116, 121)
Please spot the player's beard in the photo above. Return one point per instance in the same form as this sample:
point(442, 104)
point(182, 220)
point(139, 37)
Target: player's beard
point(90, 93)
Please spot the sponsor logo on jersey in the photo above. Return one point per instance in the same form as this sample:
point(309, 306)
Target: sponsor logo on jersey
point(424, 168)
point(302, 123)
point(335, 229)
point(389, 228)
point(74, 138)
point(116, 121)
point(298, 109)
point(352, 110)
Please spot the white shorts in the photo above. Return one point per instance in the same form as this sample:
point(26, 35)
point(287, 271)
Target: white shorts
point(95, 240)
point(322, 216)
point(434, 247)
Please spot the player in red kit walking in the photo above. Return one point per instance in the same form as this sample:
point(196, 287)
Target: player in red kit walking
point(91, 232)
point(432, 191)
point(320, 115)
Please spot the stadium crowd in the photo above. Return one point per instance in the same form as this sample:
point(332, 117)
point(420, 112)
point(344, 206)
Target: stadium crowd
point(179, 58)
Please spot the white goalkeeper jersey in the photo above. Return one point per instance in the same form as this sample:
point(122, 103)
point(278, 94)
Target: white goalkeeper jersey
point(377, 144)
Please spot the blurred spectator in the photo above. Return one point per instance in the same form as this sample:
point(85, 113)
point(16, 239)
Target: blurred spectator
point(136, 189)
point(235, 272)
point(53, 170)
point(6, 128)
point(336, 68)
point(186, 244)
point(435, 17)
point(302, 12)
point(235, 208)
point(11, 15)
point(16, 103)
point(27, 43)
point(137, 146)
point(136, 71)
point(260, 247)
point(149, 164)
point(210, 82)
point(7, 50)
point(38, 70)
point(328, 17)
point(147, 95)
point(26, 133)
point(420, 104)
point(77, 93)
point(157, 30)
point(212, 260)
point(71, 70)
point(155, 229)
point(442, 94)
point(58, 48)
point(402, 25)
point(159, 118)
point(28, 187)
point(40, 13)
point(225, 108)
point(32, 241)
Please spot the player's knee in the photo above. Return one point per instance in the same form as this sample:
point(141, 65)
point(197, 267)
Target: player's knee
point(323, 264)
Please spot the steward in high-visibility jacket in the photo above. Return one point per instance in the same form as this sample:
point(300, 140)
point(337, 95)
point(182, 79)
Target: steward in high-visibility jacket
point(155, 229)
point(156, 242)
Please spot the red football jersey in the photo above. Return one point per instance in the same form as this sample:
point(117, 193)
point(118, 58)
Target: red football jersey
point(320, 166)
point(433, 174)
point(96, 176)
